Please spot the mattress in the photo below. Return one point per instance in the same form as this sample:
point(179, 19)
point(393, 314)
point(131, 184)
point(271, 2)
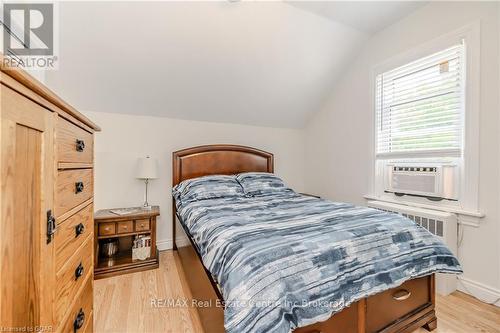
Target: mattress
point(284, 260)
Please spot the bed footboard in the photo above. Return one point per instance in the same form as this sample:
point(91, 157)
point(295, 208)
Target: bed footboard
point(399, 310)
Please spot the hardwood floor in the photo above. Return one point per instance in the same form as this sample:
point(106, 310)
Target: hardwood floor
point(129, 303)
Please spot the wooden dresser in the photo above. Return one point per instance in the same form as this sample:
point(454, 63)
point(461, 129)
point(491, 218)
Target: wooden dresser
point(46, 209)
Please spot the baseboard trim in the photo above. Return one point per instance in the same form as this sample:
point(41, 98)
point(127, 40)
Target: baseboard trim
point(480, 291)
point(167, 244)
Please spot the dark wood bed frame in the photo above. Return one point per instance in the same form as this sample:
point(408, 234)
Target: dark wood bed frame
point(401, 309)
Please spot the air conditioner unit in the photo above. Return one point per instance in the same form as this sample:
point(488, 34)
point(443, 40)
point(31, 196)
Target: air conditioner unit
point(442, 224)
point(434, 181)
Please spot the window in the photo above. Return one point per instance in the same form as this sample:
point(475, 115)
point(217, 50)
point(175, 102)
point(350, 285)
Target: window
point(419, 107)
point(426, 109)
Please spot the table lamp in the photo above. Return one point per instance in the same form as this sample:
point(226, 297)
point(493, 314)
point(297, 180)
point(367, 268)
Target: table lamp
point(147, 169)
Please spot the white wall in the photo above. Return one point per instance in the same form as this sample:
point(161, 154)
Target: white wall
point(339, 139)
point(124, 138)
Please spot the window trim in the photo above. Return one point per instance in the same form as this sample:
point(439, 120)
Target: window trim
point(383, 108)
point(469, 169)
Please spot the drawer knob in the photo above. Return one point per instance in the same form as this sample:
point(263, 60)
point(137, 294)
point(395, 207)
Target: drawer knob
point(79, 187)
point(401, 295)
point(106, 228)
point(125, 227)
point(142, 225)
point(79, 320)
point(79, 271)
point(80, 145)
point(79, 229)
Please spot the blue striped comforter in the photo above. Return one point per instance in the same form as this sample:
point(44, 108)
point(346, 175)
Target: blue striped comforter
point(285, 260)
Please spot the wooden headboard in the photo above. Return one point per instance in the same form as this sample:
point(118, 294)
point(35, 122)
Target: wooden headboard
point(218, 160)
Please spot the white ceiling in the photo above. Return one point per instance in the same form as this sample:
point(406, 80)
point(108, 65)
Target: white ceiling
point(260, 63)
point(366, 16)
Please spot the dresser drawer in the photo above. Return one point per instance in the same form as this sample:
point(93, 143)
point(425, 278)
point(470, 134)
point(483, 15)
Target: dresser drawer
point(107, 228)
point(124, 227)
point(385, 308)
point(74, 144)
point(71, 234)
point(90, 324)
point(142, 225)
point(346, 321)
point(81, 312)
point(73, 188)
point(70, 279)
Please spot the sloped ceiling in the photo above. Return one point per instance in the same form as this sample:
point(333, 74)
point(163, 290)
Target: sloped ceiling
point(259, 63)
point(367, 16)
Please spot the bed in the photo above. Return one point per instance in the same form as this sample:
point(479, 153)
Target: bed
point(227, 252)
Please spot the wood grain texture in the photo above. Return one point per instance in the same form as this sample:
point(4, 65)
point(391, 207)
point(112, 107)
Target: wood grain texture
point(26, 194)
point(104, 215)
point(90, 324)
point(29, 166)
point(383, 309)
point(141, 225)
point(340, 323)
point(66, 240)
point(219, 160)
point(66, 195)
point(212, 318)
point(123, 304)
point(63, 217)
point(66, 136)
point(36, 88)
point(125, 228)
point(67, 282)
point(71, 165)
point(107, 229)
point(84, 301)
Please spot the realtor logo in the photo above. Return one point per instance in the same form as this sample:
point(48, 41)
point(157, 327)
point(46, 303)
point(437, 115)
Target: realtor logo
point(28, 35)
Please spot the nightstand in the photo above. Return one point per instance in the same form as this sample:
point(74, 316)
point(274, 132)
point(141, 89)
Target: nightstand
point(114, 236)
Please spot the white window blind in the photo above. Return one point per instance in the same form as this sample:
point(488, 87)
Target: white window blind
point(419, 107)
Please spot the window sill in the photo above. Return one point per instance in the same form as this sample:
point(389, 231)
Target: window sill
point(465, 217)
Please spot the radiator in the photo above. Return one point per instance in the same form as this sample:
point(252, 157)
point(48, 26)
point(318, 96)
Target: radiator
point(442, 224)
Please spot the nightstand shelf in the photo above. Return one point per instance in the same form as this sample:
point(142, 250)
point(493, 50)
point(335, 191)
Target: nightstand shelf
point(124, 229)
point(120, 260)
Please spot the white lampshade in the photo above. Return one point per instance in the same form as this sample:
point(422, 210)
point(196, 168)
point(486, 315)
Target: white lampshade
point(147, 168)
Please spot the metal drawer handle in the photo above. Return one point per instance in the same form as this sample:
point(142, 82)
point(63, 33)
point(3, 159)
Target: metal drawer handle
point(80, 145)
point(51, 226)
point(79, 187)
point(401, 295)
point(79, 229)
point(79, 271)
point(79, 320)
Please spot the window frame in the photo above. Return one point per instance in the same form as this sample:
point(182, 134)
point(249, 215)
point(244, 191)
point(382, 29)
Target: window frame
point(381, 112)
point(468, 165)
